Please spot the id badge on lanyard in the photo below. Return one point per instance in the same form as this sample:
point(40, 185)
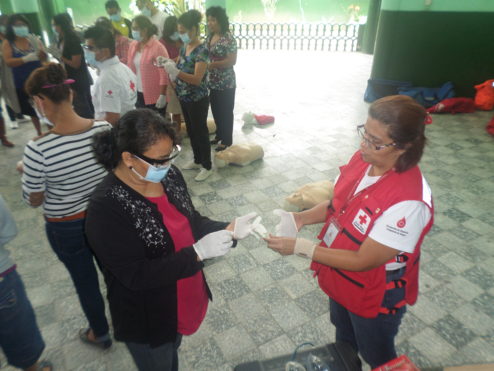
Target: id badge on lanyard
point(331, 233)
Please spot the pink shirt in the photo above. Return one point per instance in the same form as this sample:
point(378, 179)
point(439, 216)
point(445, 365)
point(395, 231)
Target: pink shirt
point(192, 298)
point(152, 77)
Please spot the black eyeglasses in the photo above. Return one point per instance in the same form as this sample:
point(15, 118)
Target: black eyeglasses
point(164, 162)
point(369, 143)
point(89, 47)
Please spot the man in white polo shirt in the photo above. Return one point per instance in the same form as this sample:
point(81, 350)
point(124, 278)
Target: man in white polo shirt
point(156, 16)
point(115, 90)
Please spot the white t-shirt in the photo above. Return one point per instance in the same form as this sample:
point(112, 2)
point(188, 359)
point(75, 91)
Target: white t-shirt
point(401, 225)
point(159, 21)
point(137, 63)
point(115, 90)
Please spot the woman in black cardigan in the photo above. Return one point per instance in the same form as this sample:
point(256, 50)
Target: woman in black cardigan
point(150, 241)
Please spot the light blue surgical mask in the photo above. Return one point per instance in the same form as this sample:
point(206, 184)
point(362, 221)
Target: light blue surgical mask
point(54, 29)
point(116, 17)
point(175, 36)
point(154, 174)
point(90, 58)
point(136, 35)
point(145, 11)
point(184, 37)
point(3, 29)
point(21, 31)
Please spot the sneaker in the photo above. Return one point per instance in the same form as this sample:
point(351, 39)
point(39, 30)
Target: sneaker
point(220, 147)
point(24, 120)
point(191, 166)
point(103, 343)
point(14, 125)
point(203, 174)
point(214, 141)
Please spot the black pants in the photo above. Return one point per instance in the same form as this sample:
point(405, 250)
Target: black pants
point(222, 104)
point(196, 117)
point(140, 104)
point(13, 115)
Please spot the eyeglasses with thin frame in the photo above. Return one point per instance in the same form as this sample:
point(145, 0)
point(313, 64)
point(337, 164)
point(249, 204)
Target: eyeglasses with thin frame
point(164, 162)
point(369, 143)
point(89, 47)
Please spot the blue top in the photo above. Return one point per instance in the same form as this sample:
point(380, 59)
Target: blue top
point(187, 92)
point(22, 72)
point(8, 230)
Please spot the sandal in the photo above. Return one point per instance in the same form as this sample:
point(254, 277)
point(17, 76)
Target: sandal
point(104, 343)
point(221, 147)
point(44, 364)
point(214, 141)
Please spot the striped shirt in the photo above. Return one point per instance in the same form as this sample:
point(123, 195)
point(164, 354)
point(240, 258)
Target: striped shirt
point(64, 168)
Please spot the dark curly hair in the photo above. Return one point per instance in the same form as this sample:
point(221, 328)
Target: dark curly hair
point(219, 14)
point(404, 119)
point(191, 19)
point(51, 74)
point(135, 132)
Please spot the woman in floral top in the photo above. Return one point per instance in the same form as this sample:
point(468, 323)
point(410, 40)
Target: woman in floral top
point(223, 54)
point(189, 75)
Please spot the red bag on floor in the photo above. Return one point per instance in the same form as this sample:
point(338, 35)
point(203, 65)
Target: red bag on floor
point(402, 363)
point(490, 127)
point(264, 119)
point(484, 99)
point(454, 105)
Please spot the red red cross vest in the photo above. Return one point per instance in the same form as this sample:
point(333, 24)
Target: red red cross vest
point(362, 292)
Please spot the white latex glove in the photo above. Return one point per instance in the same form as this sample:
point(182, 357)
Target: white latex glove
point(244, 225)
point(57, 53)
point(214, 244)
point(161, 102)
point(172, 70)
point(160, 61)
point(287, 226)
point(31, 57)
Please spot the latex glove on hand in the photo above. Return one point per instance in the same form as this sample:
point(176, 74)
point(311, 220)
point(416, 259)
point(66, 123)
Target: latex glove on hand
point(55, 52)
point(214, 244)
point(288, 246)
point(172, 70)
point(245, 225)
point(161, 102)
point(31, 57)
point(287, 226)
point(160, 61)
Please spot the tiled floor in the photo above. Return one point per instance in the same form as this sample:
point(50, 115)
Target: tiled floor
point(264, 304)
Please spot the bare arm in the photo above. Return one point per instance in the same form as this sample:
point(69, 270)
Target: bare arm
point(312, 216)
point(229, 61)
point(7, 56)
point(36, 198)
point(196, 78)
point(112, 117)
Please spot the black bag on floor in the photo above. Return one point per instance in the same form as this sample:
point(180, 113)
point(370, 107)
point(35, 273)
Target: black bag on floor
point(338, 356)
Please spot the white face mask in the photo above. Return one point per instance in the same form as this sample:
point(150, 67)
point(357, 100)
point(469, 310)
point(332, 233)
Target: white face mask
point(42, 118)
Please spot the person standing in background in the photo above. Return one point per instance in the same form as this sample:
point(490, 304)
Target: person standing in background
point(122, 43)
point(156, 16)
point(20, 338)
point(121, 24)
point(222, 48)
point(190, 75)
point(115, 90)
point(23, 52)
point(71, 55)
point(171, 40)
point(143, 52)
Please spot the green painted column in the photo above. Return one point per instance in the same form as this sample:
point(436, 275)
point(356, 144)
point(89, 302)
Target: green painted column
point(429, 42)
point(371, 26)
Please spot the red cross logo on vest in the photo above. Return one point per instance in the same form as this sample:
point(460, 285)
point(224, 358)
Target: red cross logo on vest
point(361, 221)
point(132, 85)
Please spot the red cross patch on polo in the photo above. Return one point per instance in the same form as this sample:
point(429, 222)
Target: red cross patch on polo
point(361, 221)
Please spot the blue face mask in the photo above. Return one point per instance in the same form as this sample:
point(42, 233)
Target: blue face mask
point(154, 174)
point(136, 35)
point(54, 29)
point(3, 29)
point(116, 17)
point(145, 11)
point(21, 31)
point(90, 58)
point(175, 36)
point(184, 37)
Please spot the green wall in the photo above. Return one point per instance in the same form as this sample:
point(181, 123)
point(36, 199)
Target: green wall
point(448, 41)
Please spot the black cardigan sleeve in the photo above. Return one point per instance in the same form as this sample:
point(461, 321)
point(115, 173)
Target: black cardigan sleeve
point(112, 237)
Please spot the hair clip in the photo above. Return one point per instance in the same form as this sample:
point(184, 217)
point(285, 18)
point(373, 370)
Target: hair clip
point(66, 82)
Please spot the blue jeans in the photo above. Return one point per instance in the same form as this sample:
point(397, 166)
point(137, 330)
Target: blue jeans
point(68, 240)
point(20, 338)
point(373, 338)
point(162, 358)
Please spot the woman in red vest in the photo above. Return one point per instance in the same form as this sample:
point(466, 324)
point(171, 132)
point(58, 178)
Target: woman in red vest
point(367, 258)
